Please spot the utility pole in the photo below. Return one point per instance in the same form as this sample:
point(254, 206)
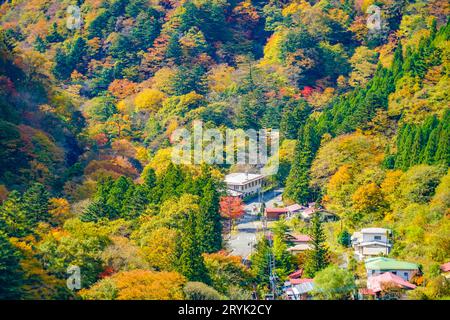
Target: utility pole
point(273, 278)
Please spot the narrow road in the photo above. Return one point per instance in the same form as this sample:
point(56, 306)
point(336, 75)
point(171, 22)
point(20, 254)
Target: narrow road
point(244, 237)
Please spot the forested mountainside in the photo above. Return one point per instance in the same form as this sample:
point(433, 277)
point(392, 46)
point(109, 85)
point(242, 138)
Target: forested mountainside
point(92, 90)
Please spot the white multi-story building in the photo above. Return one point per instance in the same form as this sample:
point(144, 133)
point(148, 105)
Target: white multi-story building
point(243, 184)
point(370, 242)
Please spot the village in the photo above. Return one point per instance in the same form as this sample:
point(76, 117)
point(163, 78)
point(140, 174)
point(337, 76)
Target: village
point(370, 247)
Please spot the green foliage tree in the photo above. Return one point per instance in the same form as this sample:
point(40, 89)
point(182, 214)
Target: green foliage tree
point(190, 261)
point(293, 117)
point(201, 291)
point(209, 226)
point(96, 211)
point(260, 262)
point(118, 193)
point(54, 35)
point(344, 238)
point(318, 256)
point(333, 283)
point(171, 184)
point(81, 246)
point(40, 45)
point(136, 200)
point(36, 202)
point(283, 259)
point(101, 108)
point(10, 269)
point(13, 217)
point(297, 183)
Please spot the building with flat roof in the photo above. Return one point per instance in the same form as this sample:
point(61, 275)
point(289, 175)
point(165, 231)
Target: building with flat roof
point(243, 184)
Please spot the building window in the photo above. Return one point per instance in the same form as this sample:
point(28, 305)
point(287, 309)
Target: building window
point(377, 237)
point(405, 274)
point(394, 272)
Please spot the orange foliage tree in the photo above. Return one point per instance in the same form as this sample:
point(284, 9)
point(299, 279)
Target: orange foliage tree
point(231, 208)
point(138, 285)
point(122, 88)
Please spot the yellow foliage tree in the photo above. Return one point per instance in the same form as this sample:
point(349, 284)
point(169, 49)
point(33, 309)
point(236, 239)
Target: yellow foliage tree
point(59, 209)
point(220, 78)
point(160, 161)
point(368, 198)
point(149, 100)
point(159, 247)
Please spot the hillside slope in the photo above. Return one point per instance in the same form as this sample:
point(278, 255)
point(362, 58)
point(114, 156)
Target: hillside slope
point(90, 95)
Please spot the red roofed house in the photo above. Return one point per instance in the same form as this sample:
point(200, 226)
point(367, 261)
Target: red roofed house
point(298, 289)
point(301, 243)
point(275, 213)
point(295, 275)
point(376, 283)
point(308, 212)
point(445, 269)
point(299, 281)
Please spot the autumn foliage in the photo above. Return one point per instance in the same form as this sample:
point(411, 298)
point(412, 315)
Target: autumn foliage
point(231, 207)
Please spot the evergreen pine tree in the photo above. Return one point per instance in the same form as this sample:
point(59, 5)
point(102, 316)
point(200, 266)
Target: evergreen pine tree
point(442, 154)
point(209, 227)
point(61, 69)
point(429, 152)
point(36, 202)
point(96, 211)
point(10, 269)
point(283, 259)
point(443, 150)
point(136, 201)
point(416, 147)
point(117, 195)
point(13, 216)
point(190, 262)
point(344, 238)
point(397, 64)
point(39, 45)
point(76, 57)
point(171, 183)
point(261, 261)
point(54, 35)
point(317, 258)
point(297, 183)
point(173, 50)
point(404, 148)
point(149, 178)
point(293, 117)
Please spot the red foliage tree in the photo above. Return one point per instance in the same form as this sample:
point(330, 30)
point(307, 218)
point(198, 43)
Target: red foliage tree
point(306, 92)
point(231, 207)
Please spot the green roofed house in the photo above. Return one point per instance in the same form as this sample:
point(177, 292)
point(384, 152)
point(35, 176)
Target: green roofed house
point(380, 265)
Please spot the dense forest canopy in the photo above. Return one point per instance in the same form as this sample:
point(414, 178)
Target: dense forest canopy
point(92, 90)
